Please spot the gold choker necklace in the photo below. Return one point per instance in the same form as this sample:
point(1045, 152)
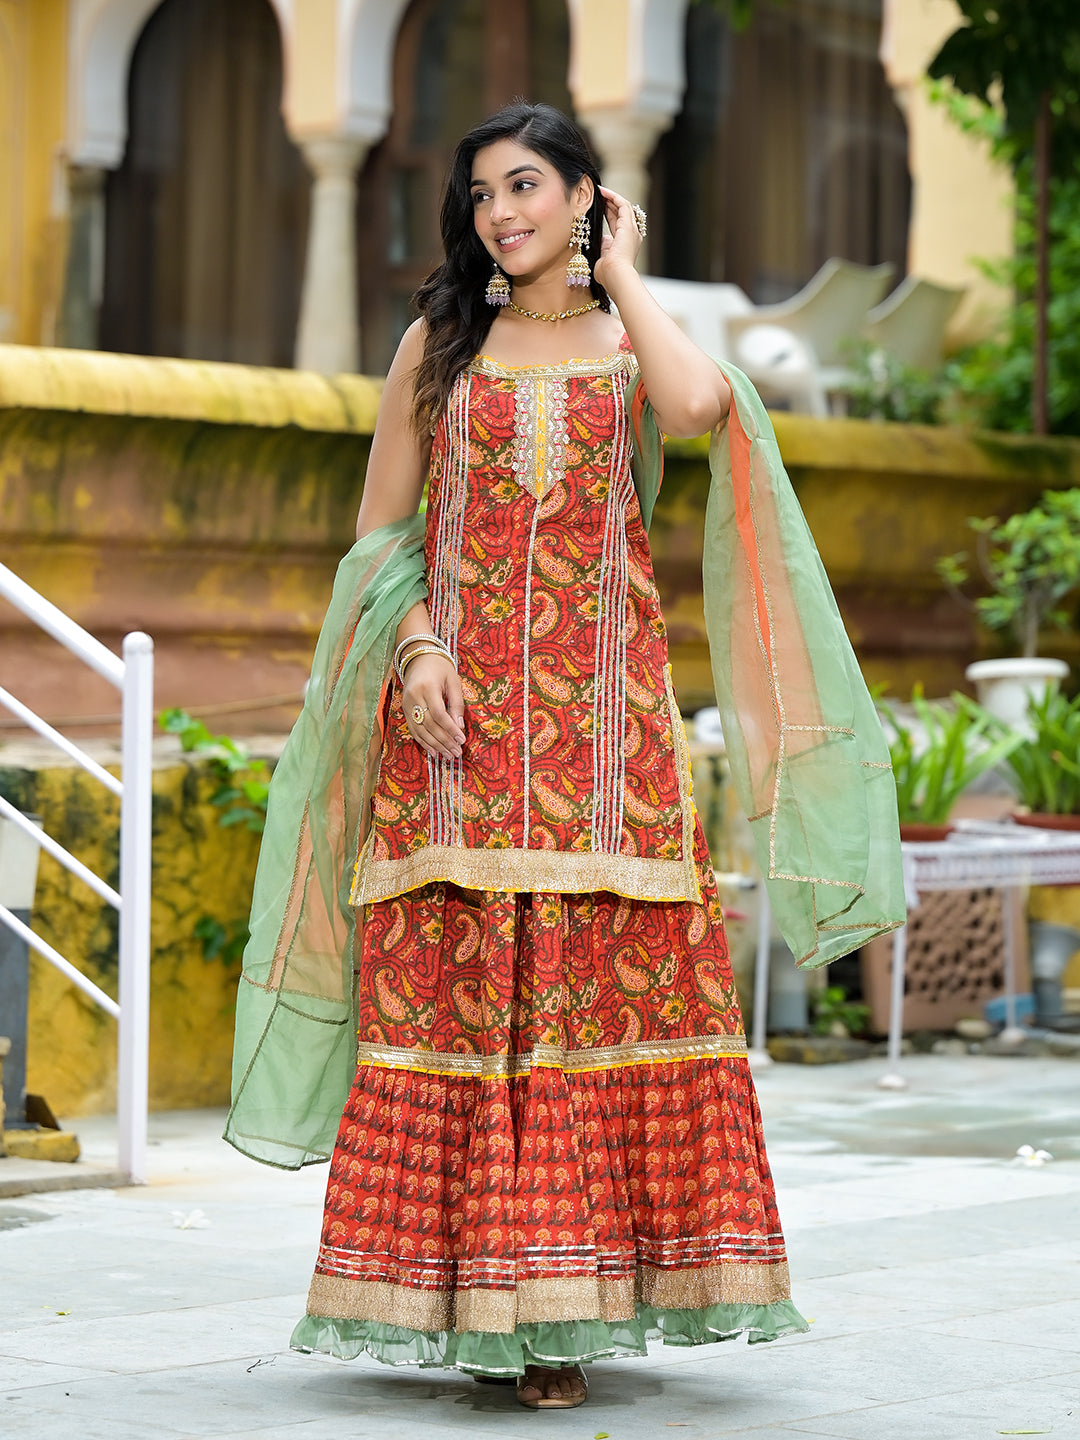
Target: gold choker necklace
point(562, 315)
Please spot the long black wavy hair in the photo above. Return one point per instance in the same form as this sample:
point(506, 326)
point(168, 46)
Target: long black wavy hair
point(451, 299)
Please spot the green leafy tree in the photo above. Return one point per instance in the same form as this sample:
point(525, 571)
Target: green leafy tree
point(1031, 561)
point(1027, 52)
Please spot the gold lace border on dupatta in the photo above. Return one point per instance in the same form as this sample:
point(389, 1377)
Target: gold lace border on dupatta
point(570, 1062)
point(498, 1311)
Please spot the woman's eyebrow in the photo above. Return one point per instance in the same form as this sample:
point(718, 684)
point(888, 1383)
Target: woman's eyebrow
point(519, 170)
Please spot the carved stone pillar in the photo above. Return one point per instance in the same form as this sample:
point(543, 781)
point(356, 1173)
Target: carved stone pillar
point(84, 271)
point(328, 335)
point(624, 139)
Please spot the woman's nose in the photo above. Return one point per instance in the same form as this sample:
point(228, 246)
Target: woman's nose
point(502, 209)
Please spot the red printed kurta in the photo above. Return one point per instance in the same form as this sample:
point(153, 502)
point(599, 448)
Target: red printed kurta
point(574, 775)
point(553, 1119)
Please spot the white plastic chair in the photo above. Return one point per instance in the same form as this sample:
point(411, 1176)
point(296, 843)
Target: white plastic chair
point(702, 311)
point(909, 325)
point(795, 349)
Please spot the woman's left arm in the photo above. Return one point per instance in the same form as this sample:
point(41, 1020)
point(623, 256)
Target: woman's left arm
point(686, 389)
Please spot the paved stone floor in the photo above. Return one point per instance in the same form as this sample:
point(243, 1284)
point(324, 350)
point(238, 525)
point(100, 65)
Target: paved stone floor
point(940, 1273)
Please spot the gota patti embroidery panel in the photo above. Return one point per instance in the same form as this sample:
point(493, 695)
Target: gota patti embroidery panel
point(575, 775)
point(539, 432)
point(609, 706)
point(444, 776)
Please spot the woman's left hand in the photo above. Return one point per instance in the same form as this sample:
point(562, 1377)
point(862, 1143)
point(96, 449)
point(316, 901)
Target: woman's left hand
point(618, 251)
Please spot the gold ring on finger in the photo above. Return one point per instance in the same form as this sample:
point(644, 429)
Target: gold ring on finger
point(641, 220)
point(419, 714)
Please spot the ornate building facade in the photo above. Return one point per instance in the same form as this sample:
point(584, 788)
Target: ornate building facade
point(258, 180)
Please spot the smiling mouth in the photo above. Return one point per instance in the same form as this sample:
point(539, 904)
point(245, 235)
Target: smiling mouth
point(510, 242)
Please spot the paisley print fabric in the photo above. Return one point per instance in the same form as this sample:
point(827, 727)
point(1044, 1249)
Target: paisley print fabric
point(553, 1117)
point(553, 1122)
point(574, 774)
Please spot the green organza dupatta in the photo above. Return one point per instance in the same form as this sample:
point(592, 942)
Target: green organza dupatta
point(805, 748)
point(294, 1054)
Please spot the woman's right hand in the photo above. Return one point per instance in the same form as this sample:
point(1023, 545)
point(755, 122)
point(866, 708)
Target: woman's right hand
point(433, 687)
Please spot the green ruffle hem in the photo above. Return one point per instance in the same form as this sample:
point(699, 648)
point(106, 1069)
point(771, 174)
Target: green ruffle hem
point(552, 1342)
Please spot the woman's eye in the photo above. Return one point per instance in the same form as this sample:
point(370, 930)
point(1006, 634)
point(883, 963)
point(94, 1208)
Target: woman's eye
point(523, 184)
point(479, 195)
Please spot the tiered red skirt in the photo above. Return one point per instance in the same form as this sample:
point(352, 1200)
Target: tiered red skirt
point(552, 1150)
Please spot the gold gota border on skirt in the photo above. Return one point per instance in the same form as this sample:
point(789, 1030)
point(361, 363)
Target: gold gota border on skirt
point(571, 1062)
point(584, 1297)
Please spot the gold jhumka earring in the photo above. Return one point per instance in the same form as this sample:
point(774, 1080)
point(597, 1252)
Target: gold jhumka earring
point(498, 289)
point(577, 270)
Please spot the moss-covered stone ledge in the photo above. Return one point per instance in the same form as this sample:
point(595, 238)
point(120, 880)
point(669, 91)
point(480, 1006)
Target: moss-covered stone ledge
point(199, 868)
point(207, 504)
point(96, 382)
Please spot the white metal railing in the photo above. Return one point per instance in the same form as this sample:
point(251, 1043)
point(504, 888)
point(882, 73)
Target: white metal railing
point(133, 676)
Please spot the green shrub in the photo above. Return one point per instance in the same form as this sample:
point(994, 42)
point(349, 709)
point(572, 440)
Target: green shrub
point(886, 389)
point(1031, 562)
point(243, 787)
point(244, 780)
point(1046, 764)
point(933, 768)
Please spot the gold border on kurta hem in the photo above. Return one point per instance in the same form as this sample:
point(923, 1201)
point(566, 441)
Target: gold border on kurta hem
point(512, 870)
point(570, 1062)
point(583, 1297)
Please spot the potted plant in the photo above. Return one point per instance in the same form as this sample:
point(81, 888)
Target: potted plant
point(1045, 764)
point(935, 760)
point(1032, 564)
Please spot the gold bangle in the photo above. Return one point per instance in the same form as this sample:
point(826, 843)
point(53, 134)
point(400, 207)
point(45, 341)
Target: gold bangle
point(420, 650)
point(425, 639)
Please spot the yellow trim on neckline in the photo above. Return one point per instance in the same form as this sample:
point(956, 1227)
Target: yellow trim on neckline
point(598, 365)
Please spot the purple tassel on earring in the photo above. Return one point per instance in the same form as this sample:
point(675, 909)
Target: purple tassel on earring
point(498, 289)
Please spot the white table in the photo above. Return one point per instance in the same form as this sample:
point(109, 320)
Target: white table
point(1001, 854)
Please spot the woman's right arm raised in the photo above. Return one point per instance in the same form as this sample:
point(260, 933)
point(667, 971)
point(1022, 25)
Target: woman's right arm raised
point(393, 485)
point(397, 465)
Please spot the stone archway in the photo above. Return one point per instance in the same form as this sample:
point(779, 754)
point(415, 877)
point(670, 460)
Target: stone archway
point(370, 30)
point(335, 140)
point(101, 39)
point(206, 215)
point(102, 35)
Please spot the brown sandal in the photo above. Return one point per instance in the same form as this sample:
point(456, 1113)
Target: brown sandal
point(536, 1378)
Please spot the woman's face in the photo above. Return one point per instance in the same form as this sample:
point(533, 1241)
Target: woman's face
point(521, 209)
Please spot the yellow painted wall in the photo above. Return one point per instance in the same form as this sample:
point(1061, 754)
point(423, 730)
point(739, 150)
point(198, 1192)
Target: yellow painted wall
point(961, 199)
point(33, 70)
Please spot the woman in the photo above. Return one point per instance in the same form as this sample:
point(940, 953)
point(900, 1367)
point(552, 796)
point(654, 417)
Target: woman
point(551, 1148)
